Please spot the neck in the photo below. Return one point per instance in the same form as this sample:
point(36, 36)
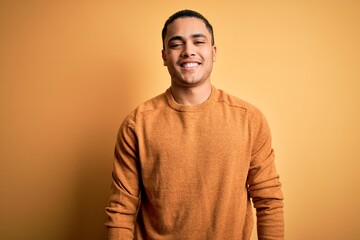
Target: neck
point(191, 95)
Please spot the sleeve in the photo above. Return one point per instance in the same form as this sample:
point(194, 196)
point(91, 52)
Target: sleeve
point(124, 199)
point(263, 182)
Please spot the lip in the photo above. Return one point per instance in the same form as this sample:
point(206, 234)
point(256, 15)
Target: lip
point(189, 64)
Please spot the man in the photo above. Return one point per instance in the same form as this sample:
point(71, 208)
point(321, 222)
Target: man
point(189, 160)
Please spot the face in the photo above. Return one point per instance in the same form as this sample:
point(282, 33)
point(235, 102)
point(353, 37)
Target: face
point(188, 52)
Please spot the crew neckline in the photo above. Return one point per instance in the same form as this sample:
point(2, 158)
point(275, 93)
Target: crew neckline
point(189, 108)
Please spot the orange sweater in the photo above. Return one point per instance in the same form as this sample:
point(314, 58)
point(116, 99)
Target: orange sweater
point(189, 172)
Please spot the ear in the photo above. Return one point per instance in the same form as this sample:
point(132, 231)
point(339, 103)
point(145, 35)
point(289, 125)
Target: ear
point(163, 55)
point(214, 53)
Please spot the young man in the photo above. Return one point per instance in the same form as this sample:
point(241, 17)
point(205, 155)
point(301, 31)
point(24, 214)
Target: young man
point(188, 161)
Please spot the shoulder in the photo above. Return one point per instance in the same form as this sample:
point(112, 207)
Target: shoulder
point(153, 104)
point(253, 114)
point(236, 102)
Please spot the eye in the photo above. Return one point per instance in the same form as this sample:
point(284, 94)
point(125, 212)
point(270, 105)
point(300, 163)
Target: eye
point(199, 42)
point(175, 45)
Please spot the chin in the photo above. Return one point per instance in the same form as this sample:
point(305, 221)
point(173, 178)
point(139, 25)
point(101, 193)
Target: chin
point(190, 81)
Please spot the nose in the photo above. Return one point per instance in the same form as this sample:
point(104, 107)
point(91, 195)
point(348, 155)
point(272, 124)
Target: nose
point(188, 51)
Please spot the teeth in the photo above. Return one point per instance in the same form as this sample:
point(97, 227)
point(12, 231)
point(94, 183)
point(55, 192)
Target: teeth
point(189, 65)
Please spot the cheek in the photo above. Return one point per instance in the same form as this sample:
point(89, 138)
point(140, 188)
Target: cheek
point(210, 58)
point(209, 54)
point(171, 58)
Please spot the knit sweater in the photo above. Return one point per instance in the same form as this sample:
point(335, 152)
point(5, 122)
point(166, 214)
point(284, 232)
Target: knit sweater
point(189, 172)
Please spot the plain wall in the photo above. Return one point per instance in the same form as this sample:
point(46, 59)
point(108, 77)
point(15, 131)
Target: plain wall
point(71, 70)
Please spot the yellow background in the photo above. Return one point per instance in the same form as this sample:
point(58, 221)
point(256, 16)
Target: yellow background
point(71, 70)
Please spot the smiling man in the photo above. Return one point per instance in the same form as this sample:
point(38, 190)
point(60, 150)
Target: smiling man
point(189, 54)
point(189, 161)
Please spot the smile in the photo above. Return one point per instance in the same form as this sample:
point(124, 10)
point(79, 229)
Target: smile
point(190, 65)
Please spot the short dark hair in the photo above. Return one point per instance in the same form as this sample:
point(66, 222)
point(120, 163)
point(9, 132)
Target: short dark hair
point(184, 14)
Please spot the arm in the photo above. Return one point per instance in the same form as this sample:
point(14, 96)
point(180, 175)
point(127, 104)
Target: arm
point(124, 199)
point(263, 183)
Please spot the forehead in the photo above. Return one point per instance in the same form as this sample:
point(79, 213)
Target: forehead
point(186, 27)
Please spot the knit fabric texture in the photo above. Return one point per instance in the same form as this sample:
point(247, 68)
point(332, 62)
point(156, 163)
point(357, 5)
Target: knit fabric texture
point(190, 172)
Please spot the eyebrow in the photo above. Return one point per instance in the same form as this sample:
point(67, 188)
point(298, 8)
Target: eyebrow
point(197, 35)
